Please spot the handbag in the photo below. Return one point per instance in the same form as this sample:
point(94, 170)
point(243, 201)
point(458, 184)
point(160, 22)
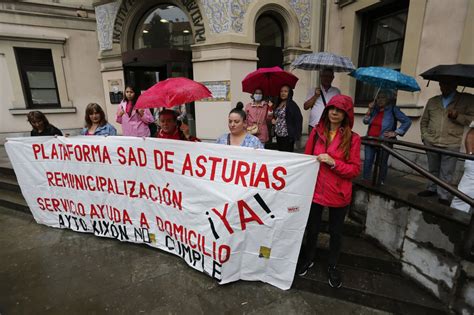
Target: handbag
point(254, 130)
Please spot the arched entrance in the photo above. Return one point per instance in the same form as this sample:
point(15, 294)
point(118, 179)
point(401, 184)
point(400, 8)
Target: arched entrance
point(158, 48)
point(161, 47)
point(270, 35)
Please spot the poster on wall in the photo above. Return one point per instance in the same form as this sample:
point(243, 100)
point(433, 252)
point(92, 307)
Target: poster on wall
point(230, 212)
point(220, 91)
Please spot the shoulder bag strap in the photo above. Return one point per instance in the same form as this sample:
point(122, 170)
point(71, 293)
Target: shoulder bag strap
point(316, 137)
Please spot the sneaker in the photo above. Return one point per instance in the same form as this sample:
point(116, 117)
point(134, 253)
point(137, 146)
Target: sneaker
point(427, 193)
point(334, 277)
point(303, 269)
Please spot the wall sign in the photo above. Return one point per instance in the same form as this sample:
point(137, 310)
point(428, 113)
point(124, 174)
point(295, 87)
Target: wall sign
point(220, 91)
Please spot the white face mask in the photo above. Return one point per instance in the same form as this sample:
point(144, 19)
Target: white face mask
point(257, 97)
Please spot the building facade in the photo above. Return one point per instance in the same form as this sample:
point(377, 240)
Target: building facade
point(48, 62)
point(215, 42)
point(57, 56)
point(409, 36)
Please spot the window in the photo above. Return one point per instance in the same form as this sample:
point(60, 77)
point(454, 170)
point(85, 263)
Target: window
point(37, 77)
point(382, 42)
point(167, 26)
point(343, 3)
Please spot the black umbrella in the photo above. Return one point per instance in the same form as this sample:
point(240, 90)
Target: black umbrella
point(460, 74)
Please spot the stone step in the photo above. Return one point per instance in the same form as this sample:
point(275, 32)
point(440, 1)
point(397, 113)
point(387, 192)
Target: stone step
point(351, 227)
point(13, 200)
point(6, 171)
point(9, 182)
point(360, 253)
point(382, 291)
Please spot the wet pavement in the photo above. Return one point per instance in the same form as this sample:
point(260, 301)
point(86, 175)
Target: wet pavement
point(45, 270)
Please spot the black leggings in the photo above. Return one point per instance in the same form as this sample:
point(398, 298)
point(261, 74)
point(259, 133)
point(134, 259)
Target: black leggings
point(285, 144)
point(336, 224)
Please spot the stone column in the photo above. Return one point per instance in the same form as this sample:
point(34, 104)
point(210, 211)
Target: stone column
point(231, 62)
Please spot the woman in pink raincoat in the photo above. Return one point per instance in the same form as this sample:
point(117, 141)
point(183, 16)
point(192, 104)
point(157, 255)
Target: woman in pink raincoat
point(134, 121)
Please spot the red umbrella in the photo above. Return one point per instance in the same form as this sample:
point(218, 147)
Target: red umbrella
point(269, 80)
point(172, 92)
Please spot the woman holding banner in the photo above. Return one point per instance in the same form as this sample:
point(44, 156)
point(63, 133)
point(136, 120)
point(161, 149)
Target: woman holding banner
point(41, 125)
point(337, 148)
point(238, 130)
point(96, 123)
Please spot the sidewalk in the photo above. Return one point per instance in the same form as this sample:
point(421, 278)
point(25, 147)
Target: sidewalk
point(53, 271)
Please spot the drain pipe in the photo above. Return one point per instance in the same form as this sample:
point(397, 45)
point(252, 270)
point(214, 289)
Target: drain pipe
point(322, 26)
point(322, 36)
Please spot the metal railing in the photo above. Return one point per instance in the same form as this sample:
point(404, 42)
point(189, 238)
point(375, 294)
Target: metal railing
point(387, 146)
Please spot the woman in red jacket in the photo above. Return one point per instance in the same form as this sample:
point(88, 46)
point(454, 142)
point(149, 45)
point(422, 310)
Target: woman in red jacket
point(337, 149)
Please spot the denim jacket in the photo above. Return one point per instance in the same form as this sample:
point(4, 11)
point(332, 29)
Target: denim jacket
point(105, 130)
point(392, 114)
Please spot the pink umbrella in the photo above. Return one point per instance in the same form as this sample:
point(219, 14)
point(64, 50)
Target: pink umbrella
point(172, 92)
point(269, 80)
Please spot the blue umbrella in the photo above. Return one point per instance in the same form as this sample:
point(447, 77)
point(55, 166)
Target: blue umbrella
point(385, 78)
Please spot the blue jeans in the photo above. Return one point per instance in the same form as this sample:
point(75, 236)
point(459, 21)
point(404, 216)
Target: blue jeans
point(370, 153)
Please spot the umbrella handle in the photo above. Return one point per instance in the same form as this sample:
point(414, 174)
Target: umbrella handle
point(377, 94)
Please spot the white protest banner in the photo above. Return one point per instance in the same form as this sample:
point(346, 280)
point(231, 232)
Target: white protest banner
point(230, 212)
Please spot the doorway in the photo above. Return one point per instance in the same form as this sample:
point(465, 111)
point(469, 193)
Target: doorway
point(269, 34)
point(161, 49)
point(142, 78)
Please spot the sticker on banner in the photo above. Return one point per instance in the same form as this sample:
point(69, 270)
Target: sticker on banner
point(265, 252)
point(293, 209)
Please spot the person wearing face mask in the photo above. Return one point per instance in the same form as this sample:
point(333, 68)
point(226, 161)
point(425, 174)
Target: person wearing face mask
point(259, 113)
